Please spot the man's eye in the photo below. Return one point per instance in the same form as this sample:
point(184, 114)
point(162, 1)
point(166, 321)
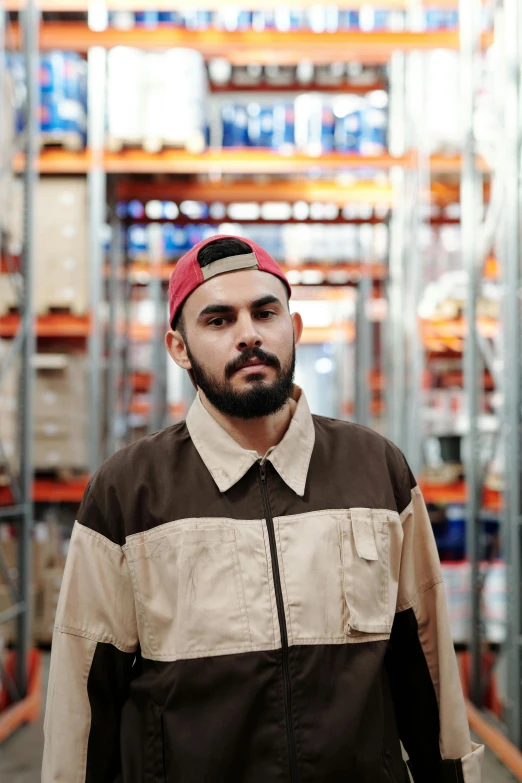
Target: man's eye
point(264, 313)
point(217, 322)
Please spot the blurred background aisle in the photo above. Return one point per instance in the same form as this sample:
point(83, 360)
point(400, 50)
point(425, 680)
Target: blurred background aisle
point(374, 149)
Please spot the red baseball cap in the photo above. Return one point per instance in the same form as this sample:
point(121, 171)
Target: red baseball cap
point(188, 275)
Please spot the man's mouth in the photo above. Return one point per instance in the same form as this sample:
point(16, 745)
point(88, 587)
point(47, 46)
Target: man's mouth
point(252, 366)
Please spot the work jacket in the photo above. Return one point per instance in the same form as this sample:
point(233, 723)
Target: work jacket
point(230, 619)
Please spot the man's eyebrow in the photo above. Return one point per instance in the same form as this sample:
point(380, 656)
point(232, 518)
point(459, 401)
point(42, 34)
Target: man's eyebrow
point(213, 309)
point(265, 300)
point(223, 309)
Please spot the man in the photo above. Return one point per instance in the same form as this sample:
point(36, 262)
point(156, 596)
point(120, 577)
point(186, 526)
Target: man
point(252, 595)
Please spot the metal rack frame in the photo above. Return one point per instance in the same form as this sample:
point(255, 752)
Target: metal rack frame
point(22, 349)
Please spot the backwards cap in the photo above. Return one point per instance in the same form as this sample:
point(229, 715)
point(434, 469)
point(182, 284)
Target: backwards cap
point(188, 275)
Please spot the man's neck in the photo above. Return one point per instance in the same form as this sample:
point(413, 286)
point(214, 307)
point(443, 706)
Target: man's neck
point(254, 434)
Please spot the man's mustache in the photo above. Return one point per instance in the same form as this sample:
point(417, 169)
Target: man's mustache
point(251, 353)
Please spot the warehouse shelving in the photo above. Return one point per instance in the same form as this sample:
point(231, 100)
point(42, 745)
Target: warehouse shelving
point(20, 674)
point(268, 47)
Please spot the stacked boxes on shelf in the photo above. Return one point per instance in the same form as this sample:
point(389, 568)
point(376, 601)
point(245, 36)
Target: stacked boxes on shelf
point(60, 412)
point(61, 270)
point(60, 426)
point(49, 549)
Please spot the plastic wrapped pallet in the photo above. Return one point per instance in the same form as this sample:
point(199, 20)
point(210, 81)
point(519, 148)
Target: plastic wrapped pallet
point(156, 99)
point(175, 84)
point(125, 97)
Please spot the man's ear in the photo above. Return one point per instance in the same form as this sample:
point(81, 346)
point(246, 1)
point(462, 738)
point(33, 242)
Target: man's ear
point(177, 349)
point(297, 323)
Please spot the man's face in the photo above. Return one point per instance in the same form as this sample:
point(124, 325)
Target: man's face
point(240, 343)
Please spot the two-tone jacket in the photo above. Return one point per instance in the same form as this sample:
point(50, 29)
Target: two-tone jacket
point(230, 619)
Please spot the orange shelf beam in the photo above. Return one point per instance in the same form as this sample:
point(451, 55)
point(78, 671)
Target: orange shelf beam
point(495, 740)
point(241, 48)
point(440, 330)
point(457, 493)
point(59, 325)
point(52, 491)
point(244, 161)
point(58, 161)
point(239, 161)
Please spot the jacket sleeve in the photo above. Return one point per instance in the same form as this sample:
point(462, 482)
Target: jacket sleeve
point(93, 651)
point(421, 660)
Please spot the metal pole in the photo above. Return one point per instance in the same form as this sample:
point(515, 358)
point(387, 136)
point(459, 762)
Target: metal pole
point(113, 336)
point(469, 47)
point(395, 356)
point(30, 28)
point(512, 322)
point(157, 396)
point(97, 197)
point(363, 353)
point(418, 186)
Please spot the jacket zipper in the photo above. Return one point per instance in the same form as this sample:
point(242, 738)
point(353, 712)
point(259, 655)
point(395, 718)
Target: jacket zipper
point(282, 627)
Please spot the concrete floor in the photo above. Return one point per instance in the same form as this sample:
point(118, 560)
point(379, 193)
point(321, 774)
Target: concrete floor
point(21, 754)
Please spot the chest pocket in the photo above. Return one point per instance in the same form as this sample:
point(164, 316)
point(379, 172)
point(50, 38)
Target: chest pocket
point(189, 589)
point(370, 547)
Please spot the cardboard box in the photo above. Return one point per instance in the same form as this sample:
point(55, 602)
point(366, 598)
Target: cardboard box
point(59, 453)
point(61, 257)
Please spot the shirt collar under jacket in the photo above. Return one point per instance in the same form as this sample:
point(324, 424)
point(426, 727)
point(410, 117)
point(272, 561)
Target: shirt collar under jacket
point(228, 462)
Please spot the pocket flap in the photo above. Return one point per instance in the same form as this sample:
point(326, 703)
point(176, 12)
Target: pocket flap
point(363, 533)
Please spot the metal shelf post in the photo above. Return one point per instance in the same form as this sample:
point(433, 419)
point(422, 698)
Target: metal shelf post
point(511, 261)
point(470, 13)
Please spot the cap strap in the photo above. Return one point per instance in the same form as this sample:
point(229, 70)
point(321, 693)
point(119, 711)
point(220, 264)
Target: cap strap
point(230, 264)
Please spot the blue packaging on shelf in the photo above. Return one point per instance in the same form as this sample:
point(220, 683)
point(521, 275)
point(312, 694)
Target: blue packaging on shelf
point(137, 242)
point(327, 129)
point(148, 19)
point(240, 126)
point(227, 125)
point(172, 18)
point(284, 125)
point(197, 20)
point(375, 124)
point(348, 124)
point(348, 20)
point(266, 132)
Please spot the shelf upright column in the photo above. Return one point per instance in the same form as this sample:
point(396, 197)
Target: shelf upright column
point(114, 337)
point(418, 189)
point(363, 352)
point(30, 29)
point(511, 261)
point(96, 60)
point(395, 354)
point(470, 15)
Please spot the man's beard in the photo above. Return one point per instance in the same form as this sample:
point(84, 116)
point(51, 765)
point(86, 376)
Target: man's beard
point(260, 398)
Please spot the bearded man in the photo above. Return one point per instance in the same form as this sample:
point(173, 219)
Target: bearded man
point(252, 595)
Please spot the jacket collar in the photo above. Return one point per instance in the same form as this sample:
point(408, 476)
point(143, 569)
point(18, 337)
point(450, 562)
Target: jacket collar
point(228, 462)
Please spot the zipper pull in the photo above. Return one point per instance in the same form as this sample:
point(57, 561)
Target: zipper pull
point(262, 468)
